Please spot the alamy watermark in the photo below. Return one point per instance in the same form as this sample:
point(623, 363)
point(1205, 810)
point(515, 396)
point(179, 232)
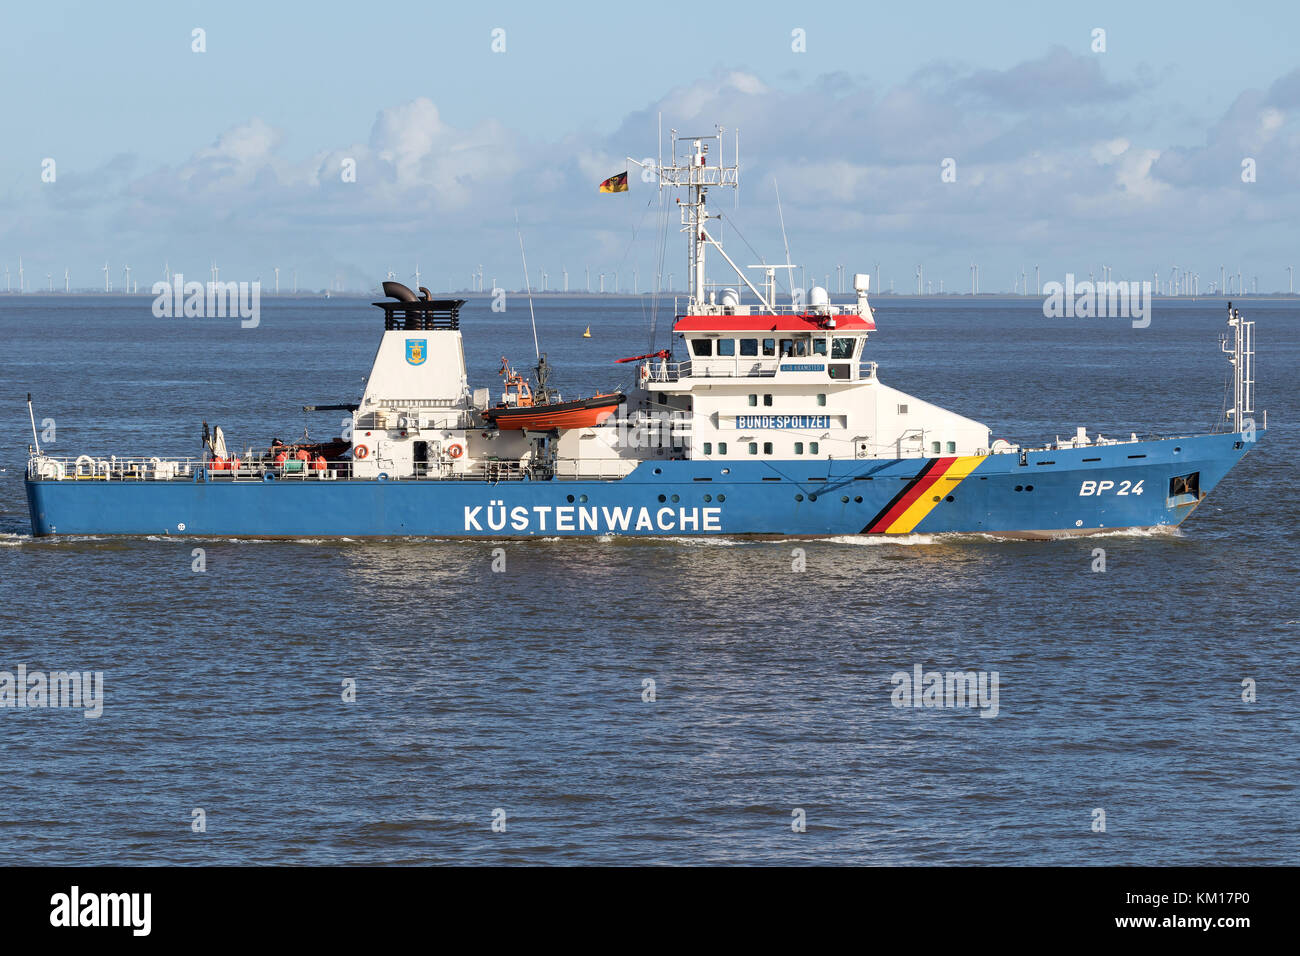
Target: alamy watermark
point(215, 300)
point(1098, 300)
point(63, 689)
point(946, 689)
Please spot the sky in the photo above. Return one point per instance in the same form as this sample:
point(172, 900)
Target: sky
point(1059, 155)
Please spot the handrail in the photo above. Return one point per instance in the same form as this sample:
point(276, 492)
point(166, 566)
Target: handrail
point(155, 468)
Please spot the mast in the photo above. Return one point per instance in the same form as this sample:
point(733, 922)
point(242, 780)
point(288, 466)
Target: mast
point(1242, 351)
point(690, 167)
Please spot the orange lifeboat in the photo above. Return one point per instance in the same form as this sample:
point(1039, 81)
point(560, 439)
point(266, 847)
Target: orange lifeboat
point(525, 412)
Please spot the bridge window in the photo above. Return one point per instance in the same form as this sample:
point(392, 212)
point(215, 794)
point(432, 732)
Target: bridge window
point(934, 448)
point(769, 346)
point(821, 399)
point(749, 346)
point(753, 448)
point(902, 409)
point(702, 346)
point(812, 448)
point(798, 448)
point(819, 346)
point(767, 400)
point(726, 346)
point(767, 448)
point(842, 348)
point(800, 347)
point(708, 448)
point(753, 400)
point(722, 448)
point(952, 448)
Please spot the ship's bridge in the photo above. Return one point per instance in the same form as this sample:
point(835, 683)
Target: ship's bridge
point(808, 346)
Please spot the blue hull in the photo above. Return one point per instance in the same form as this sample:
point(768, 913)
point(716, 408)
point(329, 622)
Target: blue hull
point(1047, 493)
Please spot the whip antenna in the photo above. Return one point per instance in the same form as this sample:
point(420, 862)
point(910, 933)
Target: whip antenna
point(789, 269)
point(528, 287)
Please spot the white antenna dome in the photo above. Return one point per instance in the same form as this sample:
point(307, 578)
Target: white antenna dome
point(730, 298)
point(818, 297)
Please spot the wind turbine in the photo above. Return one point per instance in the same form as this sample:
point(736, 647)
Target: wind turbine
point(107, 282)
point(67, 279)
point(22, 287)
point(49, 278)
point(417, 276)
point(920, 273)
point(7, 289)
point(277, 280)
point(566, 278)
point(1038, 282)
point(589, 279)
point(1290, 280)
point(126, 271)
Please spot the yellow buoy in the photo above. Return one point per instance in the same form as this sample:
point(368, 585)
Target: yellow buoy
point(587, 334)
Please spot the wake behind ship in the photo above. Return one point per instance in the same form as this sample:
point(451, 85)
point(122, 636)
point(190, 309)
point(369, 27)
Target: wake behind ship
point(764, 419)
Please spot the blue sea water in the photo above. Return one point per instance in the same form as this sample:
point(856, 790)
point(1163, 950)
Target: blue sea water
point(523, 690)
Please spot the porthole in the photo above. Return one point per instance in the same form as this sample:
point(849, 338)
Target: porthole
point(798, 497)
point(857, 499)
point(812, 497)
point(949, 498)
point(569, 499)
point(582, 498)
point(844, 499)
point(675, 499)
point(937, 498)
point(1020, 487)
point(722, 498)
point(662, 499)
point(708, 498)
point(1029, 487)
point(659, 471)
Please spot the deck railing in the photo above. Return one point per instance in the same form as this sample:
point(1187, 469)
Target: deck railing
point(86, 468)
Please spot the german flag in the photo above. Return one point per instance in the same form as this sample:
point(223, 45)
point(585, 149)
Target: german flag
point(615, 184)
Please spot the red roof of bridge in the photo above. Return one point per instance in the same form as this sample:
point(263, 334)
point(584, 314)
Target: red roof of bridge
point(811, 322)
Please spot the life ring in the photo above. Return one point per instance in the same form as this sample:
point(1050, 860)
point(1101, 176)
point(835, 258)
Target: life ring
point(361, 451)
point(455, 451)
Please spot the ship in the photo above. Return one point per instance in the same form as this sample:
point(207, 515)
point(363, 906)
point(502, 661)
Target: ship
point(763, 418)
